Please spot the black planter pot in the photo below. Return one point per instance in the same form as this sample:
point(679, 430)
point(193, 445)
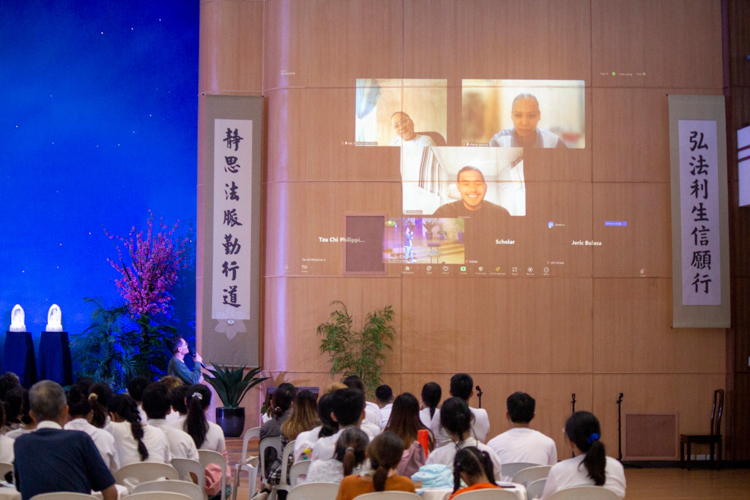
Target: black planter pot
point(231, 420)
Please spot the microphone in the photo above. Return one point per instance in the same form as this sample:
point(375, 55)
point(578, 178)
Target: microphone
point(193, 355)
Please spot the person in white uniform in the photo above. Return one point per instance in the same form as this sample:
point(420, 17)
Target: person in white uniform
point(371, 422)
point(156, 404)
point(590, 465)
point(520, 443)
point(135, 441)
point(462, 386)
point(81, 414)
point(348, 410)
point(384, 397)
point(206, 434)
point(456, 418)
point(431, 395)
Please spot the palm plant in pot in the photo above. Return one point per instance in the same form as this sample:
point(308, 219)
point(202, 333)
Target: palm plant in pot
point(232, 386)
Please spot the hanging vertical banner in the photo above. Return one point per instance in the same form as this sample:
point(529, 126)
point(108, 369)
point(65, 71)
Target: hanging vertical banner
point(700, 252)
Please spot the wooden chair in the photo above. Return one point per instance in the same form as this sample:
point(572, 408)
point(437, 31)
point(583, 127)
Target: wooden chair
point(714, 438)
point(584, 493)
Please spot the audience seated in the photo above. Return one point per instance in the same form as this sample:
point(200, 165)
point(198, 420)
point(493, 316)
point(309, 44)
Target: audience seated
point(18, 401)
point(80, 412)
point(156, 404)
point(7, 382)
point(304, 418)
point(206, 435)
point(99, 394)
point(474, 468)
point(521, 444)
point(136, 386)
point(351, 449)
point(405, 423)
point(51, 459)
point(462, 386)
point(384, 397)
point(135, 441)
point(305, 441)
point(171, 383)
point(385, 452)
point(6, 443)
point(431, 395)
point(455, 418)
point(348, 411)
point(178, 399)
point(371, 423)
point(591, 465)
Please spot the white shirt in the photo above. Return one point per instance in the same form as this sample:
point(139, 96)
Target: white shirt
point(325, 447)
point(172, 416)
point(372, 413)
point(142, 414)
point(325, 471)
point(127, 447)
point(419, 141)
point(6, 450)
point(425, 418)
point(480, 427)
point(103, 440)
point(446, 454)
point(522, 444)
point(305, 440)
point(571, 473)
point(370, 429)
point(181, 445)
point(16, 433)
point(179, 423)
point(214, 439)
point(385, 415)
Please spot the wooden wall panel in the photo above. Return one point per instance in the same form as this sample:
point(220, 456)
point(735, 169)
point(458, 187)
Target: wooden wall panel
point(676, 43)
point(231, 48)
point(503, 325)
point(633, 331)
point(632, 141)
point(488, 39)
point(645, 244)
point(286, 42)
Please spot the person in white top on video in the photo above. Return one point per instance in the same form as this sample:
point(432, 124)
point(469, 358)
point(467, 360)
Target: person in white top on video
point(521, 444)
point(384, 397)
point(590, 466)
point(403, 126)
point(462, 386)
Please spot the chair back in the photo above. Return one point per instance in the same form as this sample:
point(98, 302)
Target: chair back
point(489, 494)
point(716, 412)
point(299, 469)
point(5, 468)
point(158, 495)
point(190, 470)
point(530, 474)
point(188, 488)
point(63, 495)
point(145, 471)
point(253, 433)
point(314, 491)
point(583, 493)
point(436, 136)
point(208, 457)
point(269, 442)
point(249, 464)
point(390, 495)
point(288, 450)
point(510, 470)
point(535, 488)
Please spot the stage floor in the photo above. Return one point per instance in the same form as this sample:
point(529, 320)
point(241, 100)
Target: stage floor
point(643, 484)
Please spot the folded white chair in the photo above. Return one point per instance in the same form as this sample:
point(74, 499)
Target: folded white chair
point(208, 457)
point(314, 491)
point(249, 464)
point(584, 493)
point(188, 488)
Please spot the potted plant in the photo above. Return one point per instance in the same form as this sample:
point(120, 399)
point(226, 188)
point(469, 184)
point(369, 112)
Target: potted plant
point(357, 352)
point(231, 387)
point(429, 225)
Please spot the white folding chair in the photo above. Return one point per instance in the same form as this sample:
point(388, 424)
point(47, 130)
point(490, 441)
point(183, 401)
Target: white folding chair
point(584, 493)
point(145, 471)
point(488, 494)
point(207, 458)
point(530, 474)
point(314, 491)
point(510, 470)
point(298, 472)
point(283, 486)
point(535, 488)
point(390, 495)
point(249, 464)
point(190, 470)
point(158, 495)
point(269, 442)
point(63, 495)
point(183, 487)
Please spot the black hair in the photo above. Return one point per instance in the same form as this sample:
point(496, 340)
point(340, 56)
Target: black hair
point(404, 420)
point(177, 398)
point(282, 400)
point(583, 429)
point(99, 394)
point(384, 393)
point(136, 386)
point(461, 386)
point(84, 383)
point(14, 404)
point(198, 399)
point(325, 408)
point(468, 168)
point(78, 403)
point(173, 344)
point(127, 409)
point(290, 387)
point(521, 407)
point(386, 451)
point(431, 394)
point(351, 448)
point(7, 382)
point(455, 417)
point(348, 405)
point(354, 382)
point(156, 402)
point(473, 463)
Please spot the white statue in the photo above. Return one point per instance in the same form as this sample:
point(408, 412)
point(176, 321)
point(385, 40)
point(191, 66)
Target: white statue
point(17, 319)
point(54, 319)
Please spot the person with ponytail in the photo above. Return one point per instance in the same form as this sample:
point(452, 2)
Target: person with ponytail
point(431, 394)
point(404, 422)
point(456, 420)
point(80, 412)
point(207, 435)
point(305, 441)
point(590, 465)
point(385, 452)
point(351, 449)
point(135, 441)
point(99, 394)
point(475, 468)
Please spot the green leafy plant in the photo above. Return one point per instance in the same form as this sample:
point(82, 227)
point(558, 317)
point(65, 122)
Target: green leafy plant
point(230, 385)
point(429, 226)
point(355, 352)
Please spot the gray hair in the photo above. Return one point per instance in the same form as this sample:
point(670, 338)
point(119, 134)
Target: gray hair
point(47, 400)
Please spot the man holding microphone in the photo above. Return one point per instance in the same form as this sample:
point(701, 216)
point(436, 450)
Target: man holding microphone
point(178, 368)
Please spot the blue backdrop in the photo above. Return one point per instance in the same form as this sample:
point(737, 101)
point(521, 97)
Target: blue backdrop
point(99, 125)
